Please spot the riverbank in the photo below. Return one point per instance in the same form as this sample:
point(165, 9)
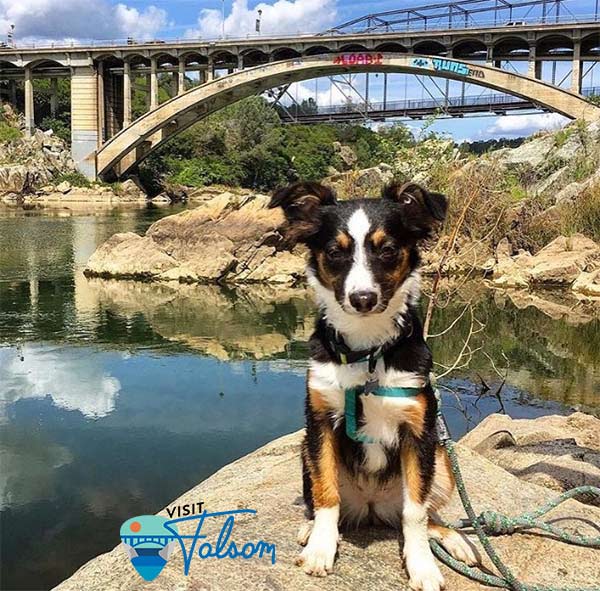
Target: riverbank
point(269, 481)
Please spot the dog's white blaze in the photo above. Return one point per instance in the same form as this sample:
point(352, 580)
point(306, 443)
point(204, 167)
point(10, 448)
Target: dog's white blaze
point(360, 277)
point(362, 332)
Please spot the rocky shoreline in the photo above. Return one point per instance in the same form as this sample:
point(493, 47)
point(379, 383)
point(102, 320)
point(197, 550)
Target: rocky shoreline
point(534, 464)
point(233, 238)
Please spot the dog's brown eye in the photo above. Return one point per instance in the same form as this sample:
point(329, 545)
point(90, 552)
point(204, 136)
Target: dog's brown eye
point(407, 199)
point(388, 253)
point(335, 254)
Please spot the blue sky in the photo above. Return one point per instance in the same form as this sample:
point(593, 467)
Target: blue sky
point(164, 19)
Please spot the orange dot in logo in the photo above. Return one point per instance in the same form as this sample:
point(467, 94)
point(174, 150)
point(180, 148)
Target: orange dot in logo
point(135, 526)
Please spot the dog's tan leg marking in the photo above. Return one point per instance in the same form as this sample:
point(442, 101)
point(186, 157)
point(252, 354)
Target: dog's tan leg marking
point(319, 554)
point(443, 483)
point(423, 572)
point(317, 401)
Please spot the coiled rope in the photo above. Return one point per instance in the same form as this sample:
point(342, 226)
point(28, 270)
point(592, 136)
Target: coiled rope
point(492, 523)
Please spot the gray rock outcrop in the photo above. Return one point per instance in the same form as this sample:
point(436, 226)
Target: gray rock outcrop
point(269, 480)
point(228, 239)
point(562, 262)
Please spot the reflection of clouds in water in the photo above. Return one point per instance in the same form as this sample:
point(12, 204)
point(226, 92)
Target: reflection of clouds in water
point(73, 382)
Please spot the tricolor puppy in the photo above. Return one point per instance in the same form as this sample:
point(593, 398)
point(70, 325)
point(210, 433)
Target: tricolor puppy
point(371, 452)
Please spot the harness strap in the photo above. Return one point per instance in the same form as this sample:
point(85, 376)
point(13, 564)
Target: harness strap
point(351, 403)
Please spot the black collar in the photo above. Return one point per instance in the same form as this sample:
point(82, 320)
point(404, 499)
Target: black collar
point(344, 355)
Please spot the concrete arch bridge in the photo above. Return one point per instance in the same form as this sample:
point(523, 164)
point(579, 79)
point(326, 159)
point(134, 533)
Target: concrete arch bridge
point(130, 146)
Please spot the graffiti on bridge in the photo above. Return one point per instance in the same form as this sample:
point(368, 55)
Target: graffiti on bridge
point(442, 65)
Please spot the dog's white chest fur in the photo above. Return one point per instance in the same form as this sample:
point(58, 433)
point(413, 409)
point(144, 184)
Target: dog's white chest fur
point(382, 414)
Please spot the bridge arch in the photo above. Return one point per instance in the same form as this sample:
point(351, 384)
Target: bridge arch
point(434, 48)
point(590, 45)
point(317, 50)
point(391, 47)
point(555, 46)
point(285, 53)
point(510, 47)
point(134, 143)
point(470, 48)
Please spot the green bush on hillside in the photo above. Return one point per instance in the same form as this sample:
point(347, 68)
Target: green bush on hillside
point(246, 144)
point(8, 133)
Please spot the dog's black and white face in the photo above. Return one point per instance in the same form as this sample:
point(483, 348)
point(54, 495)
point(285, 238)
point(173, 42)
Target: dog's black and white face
point(363, 252)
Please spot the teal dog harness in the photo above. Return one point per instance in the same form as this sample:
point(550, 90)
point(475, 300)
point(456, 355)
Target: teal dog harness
point(371, 388)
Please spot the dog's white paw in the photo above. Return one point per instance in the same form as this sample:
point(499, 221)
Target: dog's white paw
point(461, 548)
point(304, 532)
point(424, 574)
point(318, 556)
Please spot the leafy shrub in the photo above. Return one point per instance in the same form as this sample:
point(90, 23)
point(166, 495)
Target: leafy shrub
point(8, 133)
point(59, 127)
point(583, 215)
point(75, 179)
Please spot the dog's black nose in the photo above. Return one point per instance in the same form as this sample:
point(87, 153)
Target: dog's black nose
point(363, 301)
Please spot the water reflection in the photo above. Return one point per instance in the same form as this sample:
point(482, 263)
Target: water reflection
point(115, 397)
point(76, 381)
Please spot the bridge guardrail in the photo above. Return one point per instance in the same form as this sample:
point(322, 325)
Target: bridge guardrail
point(424, 104)
point(402, 28)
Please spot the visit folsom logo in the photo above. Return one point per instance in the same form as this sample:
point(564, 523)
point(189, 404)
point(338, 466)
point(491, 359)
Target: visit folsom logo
point(441, 65)
point(150, 540)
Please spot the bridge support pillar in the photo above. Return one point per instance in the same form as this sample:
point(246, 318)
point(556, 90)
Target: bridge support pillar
point(126, 94)
point(153, 83)
point(84, 119)
point(53, 97)
point(101, 107)
point(576, 70)
point(210, 71)
point(181, 76)
point(534, 67)
point(29, 107)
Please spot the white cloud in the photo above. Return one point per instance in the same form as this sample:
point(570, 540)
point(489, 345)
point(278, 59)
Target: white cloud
point(74, 19)
point(281, 17)
point(75, 383)
point(523, 125)
point(326, 94)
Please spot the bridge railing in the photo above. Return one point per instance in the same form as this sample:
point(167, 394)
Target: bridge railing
point(490, 100)
point(400, 27)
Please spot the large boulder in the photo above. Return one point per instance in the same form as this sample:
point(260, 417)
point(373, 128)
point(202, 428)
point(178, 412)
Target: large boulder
point(28, 163)
point(269, 481)
point(559, 263)
point(231, 239)
point(360, 183)
point(587, 285)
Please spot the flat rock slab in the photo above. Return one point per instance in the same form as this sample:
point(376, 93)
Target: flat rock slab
point(269, 480)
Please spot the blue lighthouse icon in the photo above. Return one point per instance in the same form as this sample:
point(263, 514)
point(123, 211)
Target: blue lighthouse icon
point(148, 543)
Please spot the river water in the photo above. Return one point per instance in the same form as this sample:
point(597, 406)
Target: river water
point(116, 397)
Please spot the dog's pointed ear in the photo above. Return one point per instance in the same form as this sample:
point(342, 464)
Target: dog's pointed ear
point(301, 204)
point(421, 208)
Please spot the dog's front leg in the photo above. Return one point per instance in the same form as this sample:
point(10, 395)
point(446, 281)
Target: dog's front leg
point(320, 458)
point(423, 572)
